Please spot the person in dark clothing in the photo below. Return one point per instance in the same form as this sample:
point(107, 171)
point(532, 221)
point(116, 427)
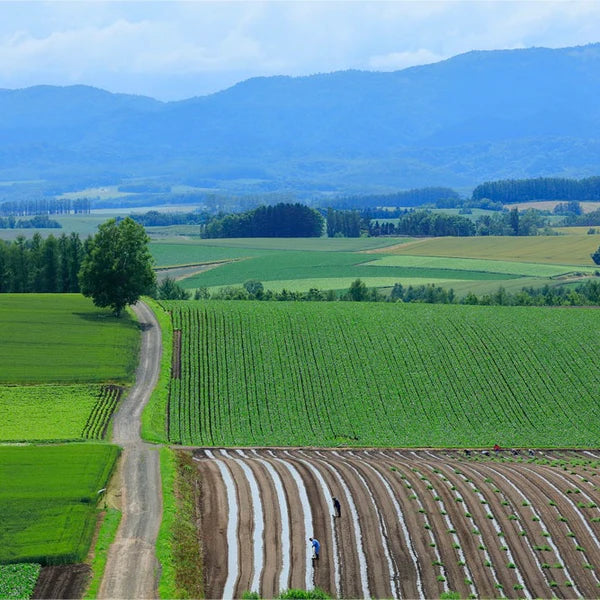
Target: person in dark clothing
point(337, 509)
point(316, 547)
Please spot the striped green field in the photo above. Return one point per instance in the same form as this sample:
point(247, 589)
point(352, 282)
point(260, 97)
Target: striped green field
point(306, 267)
point(363, 374)
point(48, 338)
point(476, 264)
point(504, 267)
point(170, 253)
point(55, 412)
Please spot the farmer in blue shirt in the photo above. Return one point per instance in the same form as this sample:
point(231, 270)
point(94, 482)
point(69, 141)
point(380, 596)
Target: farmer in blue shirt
point(316, 548)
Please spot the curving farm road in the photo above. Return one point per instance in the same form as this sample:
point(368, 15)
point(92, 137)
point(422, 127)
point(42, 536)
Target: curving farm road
point(132, 569)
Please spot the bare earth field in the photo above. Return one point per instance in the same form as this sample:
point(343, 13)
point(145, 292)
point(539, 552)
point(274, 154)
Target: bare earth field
point(62, 581)
point(414, 524)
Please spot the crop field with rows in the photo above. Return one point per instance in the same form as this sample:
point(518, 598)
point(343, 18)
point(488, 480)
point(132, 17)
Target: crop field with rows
point(48, 500)
point(56, 412)
point(363, 374)
point(413, 524)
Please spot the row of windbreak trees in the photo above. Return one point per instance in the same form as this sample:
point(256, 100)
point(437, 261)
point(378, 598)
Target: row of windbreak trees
point(509, 191)
point(41, 265)
point(426, 223)
point(45, 206)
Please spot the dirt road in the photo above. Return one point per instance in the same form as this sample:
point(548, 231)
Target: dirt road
point(132, 570)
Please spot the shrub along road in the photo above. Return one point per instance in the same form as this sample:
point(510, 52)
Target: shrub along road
point(132, 569)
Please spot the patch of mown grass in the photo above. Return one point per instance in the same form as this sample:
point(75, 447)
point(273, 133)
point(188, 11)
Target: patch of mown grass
point(106, 535)
point(154, 428)
point(56, 338)
point(178, 547)
point(48, 500)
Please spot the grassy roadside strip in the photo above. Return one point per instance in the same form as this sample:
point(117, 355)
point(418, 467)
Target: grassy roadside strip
point(178, 548)
point(106, 536)
point(153, 417)
point(164, 540)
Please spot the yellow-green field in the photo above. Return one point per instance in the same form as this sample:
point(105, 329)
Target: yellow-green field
point(559, 249)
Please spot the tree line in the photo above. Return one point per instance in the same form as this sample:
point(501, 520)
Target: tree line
point(584, 294)
point(41, 265)
point(344, 223)
point(45, 206)
point(509, 191)
point(279, 220)
point(154, 218)
point(37, 222)
point(414, 197)
point(427, 223)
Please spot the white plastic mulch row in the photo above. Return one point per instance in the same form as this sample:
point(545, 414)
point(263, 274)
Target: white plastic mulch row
point(539, 518)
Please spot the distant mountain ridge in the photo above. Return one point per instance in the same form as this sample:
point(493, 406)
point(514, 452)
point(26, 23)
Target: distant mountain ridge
point(479, 116)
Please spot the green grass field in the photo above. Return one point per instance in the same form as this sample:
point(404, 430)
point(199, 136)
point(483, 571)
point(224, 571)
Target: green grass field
point(64, 338)
point(170, 253)
point(48, 500)
point(480, 265)
point(54, 412)
point(504, 267)
point(306, 267)
point(365, 374)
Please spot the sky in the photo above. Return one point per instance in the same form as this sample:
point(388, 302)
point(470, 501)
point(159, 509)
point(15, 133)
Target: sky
point(175, 50)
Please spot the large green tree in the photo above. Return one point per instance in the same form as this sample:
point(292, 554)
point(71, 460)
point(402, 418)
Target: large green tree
point(117, 268)
point(596, 256)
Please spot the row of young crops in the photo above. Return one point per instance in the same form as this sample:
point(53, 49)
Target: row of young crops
point(99, 418)
point(413, 524)
point(385, 375)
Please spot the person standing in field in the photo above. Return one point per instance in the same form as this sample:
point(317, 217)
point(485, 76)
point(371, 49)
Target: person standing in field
point(316, 547)
point(337, 509)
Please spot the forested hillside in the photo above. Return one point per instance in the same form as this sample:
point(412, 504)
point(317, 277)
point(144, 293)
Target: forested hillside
point(480, 116)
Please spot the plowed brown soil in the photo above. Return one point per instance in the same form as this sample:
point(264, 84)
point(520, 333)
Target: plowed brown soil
point(62, 581)
point(489, 526)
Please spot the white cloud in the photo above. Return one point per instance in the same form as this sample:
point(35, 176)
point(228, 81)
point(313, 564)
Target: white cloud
point(173, 49)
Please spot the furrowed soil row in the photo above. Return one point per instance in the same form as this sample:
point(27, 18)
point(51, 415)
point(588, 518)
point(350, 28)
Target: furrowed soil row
point(413, 525)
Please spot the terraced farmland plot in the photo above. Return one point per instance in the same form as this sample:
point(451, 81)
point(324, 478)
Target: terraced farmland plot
point(412, 525)
point(364, 374)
